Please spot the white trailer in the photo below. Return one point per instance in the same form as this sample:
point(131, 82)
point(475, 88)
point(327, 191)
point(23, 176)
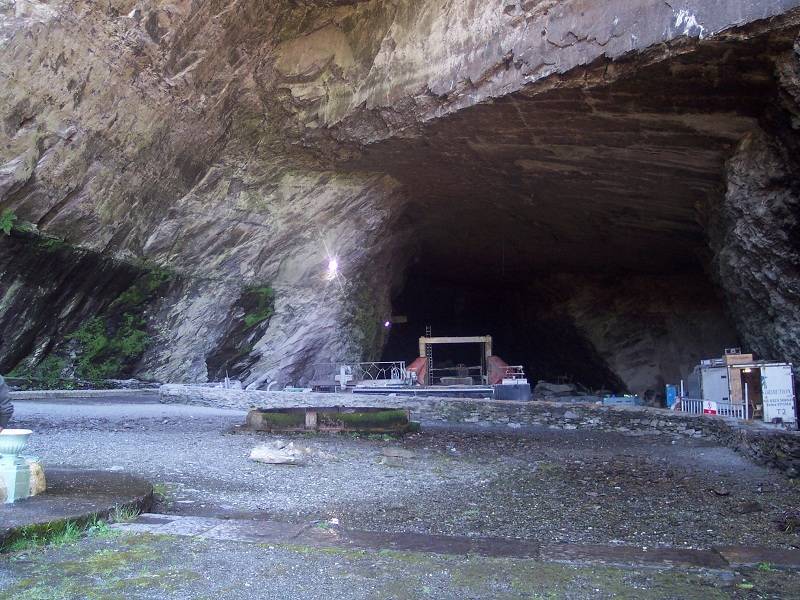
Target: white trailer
point(777, 392)
point(762, 389)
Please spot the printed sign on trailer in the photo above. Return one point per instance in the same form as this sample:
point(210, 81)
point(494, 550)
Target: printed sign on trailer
point(777, 393)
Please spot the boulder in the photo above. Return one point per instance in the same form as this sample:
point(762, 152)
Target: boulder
point(279, 453)
point(545, 390)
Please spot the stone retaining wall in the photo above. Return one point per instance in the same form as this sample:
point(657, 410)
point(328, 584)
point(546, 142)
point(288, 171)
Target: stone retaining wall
point(72, 394)
point(764, 444)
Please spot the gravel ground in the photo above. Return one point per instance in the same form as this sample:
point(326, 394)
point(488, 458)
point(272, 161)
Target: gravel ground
point(144, 567)
point(549, 485)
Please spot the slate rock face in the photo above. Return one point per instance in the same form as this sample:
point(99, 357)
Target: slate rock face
point(756, 238)
point(243, 145)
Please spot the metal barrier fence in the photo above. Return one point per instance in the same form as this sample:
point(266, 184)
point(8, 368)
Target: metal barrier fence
point(694, 406)
point(514, 372)
point(380, 371)
point(328, 375)
point(738, 411)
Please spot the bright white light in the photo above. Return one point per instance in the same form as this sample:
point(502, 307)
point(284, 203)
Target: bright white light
point(387, 323)
point(333, 268)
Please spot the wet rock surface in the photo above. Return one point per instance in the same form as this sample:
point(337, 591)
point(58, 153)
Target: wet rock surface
point(573, 486)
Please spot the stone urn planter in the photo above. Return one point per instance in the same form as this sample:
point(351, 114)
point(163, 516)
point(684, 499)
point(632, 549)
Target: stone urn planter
point(20, 476)
point(13, 442)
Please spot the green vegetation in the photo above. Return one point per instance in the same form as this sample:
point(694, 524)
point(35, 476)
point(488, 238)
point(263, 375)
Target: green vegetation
point(47, 375)
point(395, 420)
point(31, 537)
point(96, 571)
point(161, 491)
point(259, 302)
point(110, 345)
point(124, 514)
point(7, 218)
point(143, 289)
point(283, 420)
point(49, 243)
point(103, 355)
point(57, 533)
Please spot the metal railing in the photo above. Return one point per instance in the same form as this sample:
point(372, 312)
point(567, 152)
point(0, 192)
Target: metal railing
point(514, 372)
point(737, 411)
point(380, 371)
point(694, 406)
point(340, 375)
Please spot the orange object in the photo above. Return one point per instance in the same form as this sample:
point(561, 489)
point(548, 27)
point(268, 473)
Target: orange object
point(420, 368)
point(495, 369)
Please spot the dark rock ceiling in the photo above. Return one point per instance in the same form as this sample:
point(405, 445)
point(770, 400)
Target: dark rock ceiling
point(587, 175)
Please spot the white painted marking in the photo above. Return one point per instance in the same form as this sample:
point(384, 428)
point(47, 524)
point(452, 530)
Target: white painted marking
point(688, 21)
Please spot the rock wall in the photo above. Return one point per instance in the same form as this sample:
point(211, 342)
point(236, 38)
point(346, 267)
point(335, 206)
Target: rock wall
point(229, 143)
point(650, 330)
point(755, 235)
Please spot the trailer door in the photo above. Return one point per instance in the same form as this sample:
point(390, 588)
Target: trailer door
point(714, 383)
point(777, 390)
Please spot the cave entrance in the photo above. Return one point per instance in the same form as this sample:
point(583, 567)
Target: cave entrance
point(527, 329)
point(572, 223)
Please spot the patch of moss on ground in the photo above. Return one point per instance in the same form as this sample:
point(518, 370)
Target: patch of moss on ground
point(109, 573)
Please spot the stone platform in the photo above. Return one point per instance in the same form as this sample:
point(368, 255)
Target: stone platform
point(75, 495)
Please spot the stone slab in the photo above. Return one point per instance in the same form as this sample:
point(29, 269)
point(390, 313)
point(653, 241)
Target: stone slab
point(262, 531)
point(633, 555)
point(105, 396)
point(256, 531)
point(439, 544)
point(748, 556)
point(77, 495)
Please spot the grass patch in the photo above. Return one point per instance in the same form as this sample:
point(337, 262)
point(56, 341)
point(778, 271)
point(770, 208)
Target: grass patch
point(124, 514)
point(60, 533)
point(32, 537)
point(161, 490)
